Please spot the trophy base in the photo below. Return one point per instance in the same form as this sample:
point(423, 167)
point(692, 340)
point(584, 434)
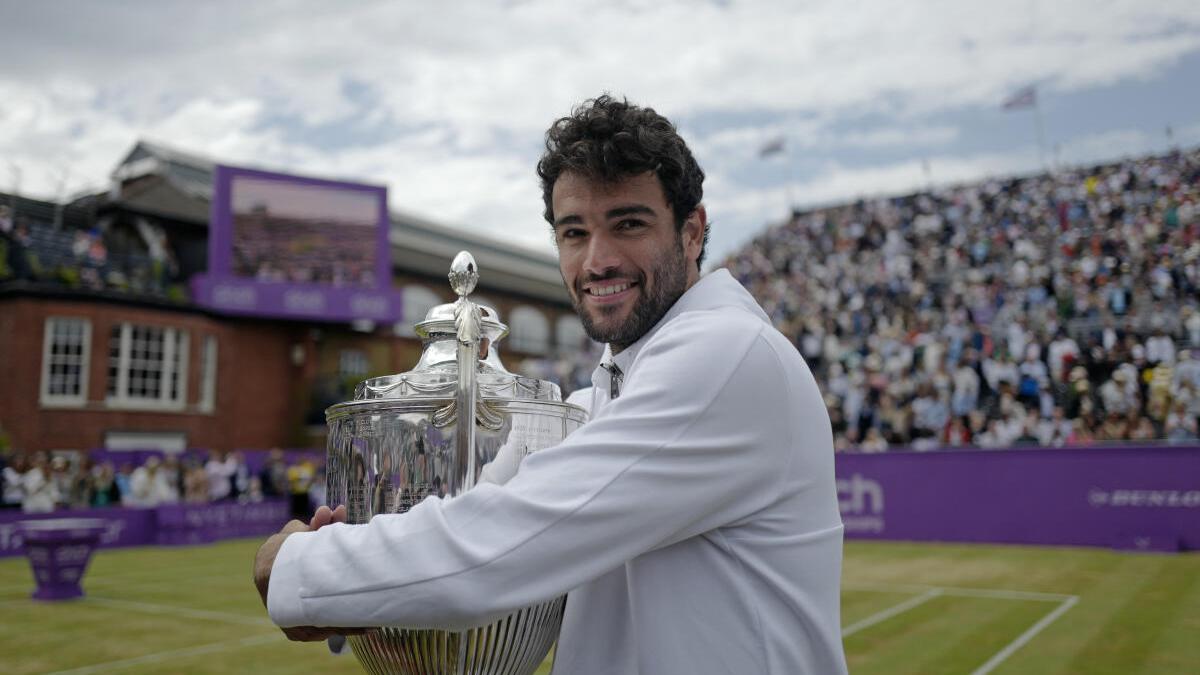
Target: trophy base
point(500, 648)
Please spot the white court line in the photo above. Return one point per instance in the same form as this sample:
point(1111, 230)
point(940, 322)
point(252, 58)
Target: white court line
point(1000, 593)
point(1026, 637)
point(1064, 601)
point(173, 654)
point(185, 612)
point(890, 612)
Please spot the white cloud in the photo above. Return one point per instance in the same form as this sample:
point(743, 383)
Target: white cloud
point(463, 93)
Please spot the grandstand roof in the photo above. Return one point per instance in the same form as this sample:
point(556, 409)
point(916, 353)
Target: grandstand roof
point(157, 179)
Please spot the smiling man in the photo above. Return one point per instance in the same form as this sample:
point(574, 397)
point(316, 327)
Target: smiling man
point(693, 521)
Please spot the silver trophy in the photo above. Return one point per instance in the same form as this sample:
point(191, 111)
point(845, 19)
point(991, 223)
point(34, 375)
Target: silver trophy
point(457, 418)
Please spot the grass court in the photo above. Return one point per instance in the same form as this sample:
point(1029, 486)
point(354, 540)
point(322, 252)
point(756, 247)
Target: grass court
point(907, 608)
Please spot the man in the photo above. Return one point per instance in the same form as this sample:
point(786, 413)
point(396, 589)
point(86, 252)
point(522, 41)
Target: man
point(693, 521)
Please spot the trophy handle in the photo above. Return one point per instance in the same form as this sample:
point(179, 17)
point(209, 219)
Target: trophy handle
point(467, 320)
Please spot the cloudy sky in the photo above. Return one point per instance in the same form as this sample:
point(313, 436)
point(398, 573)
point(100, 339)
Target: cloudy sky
point(446, 103)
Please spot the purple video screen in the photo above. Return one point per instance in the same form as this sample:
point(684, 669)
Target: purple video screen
point(295, 247)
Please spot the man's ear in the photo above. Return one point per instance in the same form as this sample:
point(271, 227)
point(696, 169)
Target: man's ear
point(693, 233)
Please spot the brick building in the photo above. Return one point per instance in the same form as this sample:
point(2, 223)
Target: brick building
point(100, 345)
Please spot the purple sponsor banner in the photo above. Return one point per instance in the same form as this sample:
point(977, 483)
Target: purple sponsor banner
point(122, 527)
point(206, 523)
point(166, 524)
point(295, 301)
point(285, 246)
point(1124, 497)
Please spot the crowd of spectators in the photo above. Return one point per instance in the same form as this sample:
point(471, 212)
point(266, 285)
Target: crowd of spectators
point(96, 257)
point(1058, 309)
point(39, 483)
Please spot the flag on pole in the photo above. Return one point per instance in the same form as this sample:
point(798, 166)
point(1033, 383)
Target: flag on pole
point(1025, 97)
point(771, 147)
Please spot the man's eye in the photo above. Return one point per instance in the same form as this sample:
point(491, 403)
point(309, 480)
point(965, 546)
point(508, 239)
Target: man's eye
point(571, 233)
point(630, 224)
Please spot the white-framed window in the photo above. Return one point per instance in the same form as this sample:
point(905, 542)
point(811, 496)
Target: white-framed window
point(66, 355)
point(415, 302)
point(352, 363)
point(147, 367)
point(571, 338)
point(208, 374)
point(529, 331)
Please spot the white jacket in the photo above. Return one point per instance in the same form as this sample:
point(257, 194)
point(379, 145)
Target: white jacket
point(693, 520)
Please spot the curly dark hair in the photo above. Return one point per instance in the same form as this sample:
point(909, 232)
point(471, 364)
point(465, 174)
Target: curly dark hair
point(609, 139)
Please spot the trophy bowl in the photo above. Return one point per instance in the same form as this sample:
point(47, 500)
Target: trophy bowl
point(457, 418)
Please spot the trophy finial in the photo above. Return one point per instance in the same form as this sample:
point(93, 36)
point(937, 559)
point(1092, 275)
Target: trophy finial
point(463, 274)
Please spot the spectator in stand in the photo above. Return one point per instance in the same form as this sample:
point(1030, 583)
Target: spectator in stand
point(1115, 394)
point(300, 478)
point(1053, 432)
point(195, 481)
point(14, 487)
point(1181, 425)
point(239, 474)
point(124, 474)
point(172, 472)
point(1143, 430)
point(273, 475)
point(150, 485)
point(1060, 354)
point(104, 486)
point(1160, 347)
point(63, 477)
point(18, 257)
point(874, 441)
point(220, 474)
point(40, 494)
point(254, 493)
point(1080, 433)
point(83, 484)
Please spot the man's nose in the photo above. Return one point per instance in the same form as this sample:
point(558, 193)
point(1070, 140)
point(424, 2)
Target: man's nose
point(603, 255)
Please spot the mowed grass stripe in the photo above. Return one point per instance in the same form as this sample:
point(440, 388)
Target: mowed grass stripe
point(41, 637)
point(1178, 648)
point(946, 634)
point(1111, 586)
point(1162, 598)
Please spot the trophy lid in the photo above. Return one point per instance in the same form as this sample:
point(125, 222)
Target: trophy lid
point(436, 373)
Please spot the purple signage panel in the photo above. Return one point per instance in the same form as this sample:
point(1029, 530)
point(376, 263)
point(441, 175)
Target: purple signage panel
point(293, 247)
point(1128, 497)
point(205, 523)
point(122, 527)
point(165, 524)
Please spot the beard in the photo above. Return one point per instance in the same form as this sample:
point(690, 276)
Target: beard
point(668, 275)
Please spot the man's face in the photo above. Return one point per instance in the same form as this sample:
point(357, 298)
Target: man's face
point(621, 258)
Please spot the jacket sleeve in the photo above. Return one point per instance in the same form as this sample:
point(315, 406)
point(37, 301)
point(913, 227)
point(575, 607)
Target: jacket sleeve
point(697, 440)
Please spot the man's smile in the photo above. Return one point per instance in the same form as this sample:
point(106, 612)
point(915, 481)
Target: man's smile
point(608, 292)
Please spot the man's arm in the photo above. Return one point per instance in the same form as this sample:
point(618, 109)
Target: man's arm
point(684, 450)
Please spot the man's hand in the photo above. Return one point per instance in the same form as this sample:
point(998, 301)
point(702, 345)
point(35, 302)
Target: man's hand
point(264, 561)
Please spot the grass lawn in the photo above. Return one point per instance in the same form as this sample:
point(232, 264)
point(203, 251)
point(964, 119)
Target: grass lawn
point(907, 608)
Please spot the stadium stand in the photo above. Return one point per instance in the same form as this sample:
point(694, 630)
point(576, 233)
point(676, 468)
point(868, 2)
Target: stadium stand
point(1057, 309)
